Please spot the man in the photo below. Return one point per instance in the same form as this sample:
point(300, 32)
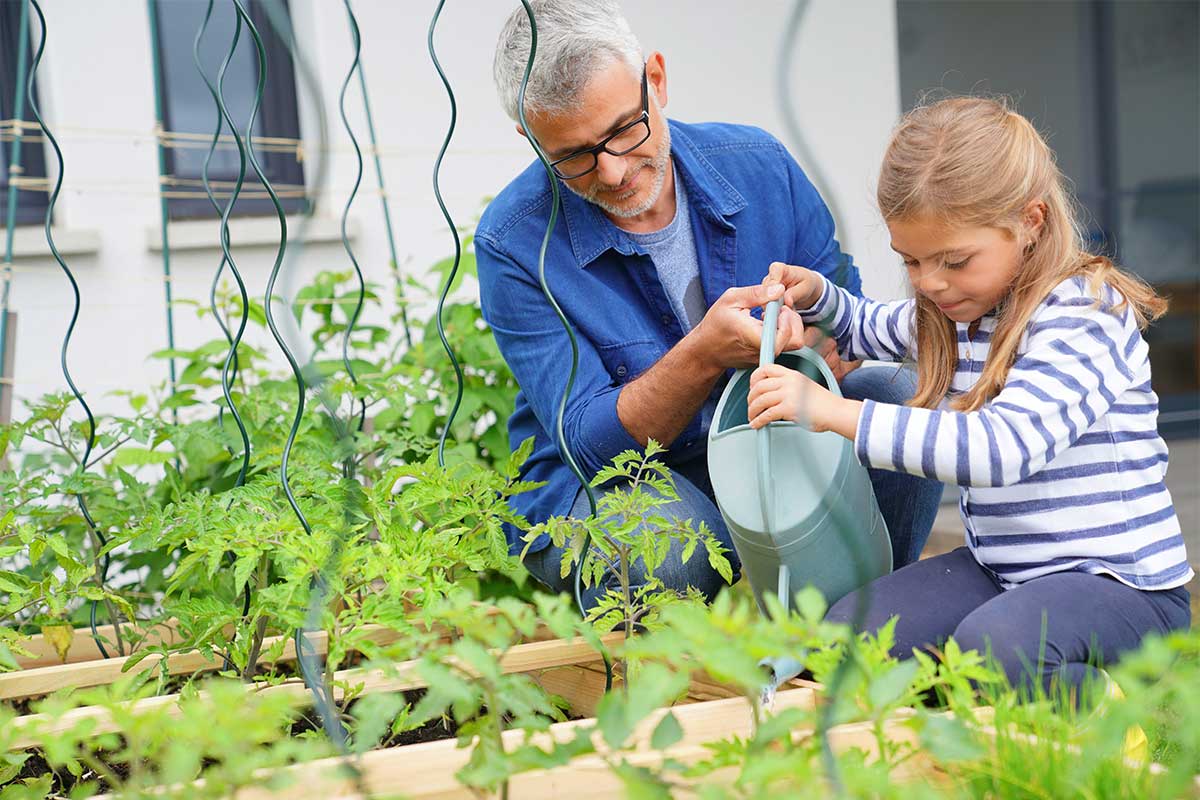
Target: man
point(664, 236)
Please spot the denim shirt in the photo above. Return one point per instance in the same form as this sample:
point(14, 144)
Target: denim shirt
point(750, 204)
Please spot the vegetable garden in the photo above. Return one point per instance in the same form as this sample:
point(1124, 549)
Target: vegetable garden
point(260, 583)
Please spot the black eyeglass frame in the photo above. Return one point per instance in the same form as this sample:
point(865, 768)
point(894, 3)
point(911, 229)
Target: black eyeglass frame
point(594, 152)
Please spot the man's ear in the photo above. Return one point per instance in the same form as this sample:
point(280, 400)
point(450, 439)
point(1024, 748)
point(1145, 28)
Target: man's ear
point(521, 131)
point(656, 77)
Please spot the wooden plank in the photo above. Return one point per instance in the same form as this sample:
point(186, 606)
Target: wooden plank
point(84, 648)
point(581, 686)
point(43, 680)
point(427, 770)
point(704, 688)
point(801, 683)
point(403, 676)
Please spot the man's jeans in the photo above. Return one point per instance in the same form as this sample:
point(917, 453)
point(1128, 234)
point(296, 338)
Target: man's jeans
point(908, 504)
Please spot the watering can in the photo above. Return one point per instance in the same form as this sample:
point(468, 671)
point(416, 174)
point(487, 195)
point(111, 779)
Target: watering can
point(799, 506)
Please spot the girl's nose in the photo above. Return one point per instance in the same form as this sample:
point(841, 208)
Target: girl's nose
point(932, 280)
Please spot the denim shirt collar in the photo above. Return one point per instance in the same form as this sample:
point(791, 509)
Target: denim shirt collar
point(592, 233)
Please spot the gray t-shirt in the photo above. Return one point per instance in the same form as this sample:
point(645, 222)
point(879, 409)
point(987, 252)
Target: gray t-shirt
point(673, 251)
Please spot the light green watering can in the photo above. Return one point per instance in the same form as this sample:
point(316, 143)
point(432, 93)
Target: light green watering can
point(799, 506)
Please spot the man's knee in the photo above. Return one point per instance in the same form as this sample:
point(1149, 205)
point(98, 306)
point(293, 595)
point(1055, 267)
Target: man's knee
point(883, 384)
point(679, 576)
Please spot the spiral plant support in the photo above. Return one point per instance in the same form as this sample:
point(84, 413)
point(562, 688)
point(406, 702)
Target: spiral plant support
point(307, 380)
point(99, 539)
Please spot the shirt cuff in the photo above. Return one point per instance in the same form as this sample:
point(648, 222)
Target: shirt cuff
point(603, 434)
point(826, 305)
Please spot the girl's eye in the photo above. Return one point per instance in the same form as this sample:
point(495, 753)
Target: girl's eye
point(958, 264)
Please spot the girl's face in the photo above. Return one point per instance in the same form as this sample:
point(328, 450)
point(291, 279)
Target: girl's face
point(966, 272)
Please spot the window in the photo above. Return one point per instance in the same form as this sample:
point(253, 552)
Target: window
point(31, 203)
point(1116, 88)
point(188, 109)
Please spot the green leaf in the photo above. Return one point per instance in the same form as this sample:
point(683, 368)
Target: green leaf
point(59, 545)
point(10, 765)
point(640, 783)
point(891, 686)
point(139, 456)
point(948, 739)
point(811, 604)
point(718, 561)
point(517, 458)
point(613, 721)
point(666, 733)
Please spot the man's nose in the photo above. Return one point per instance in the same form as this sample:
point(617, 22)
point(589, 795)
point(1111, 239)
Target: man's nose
point(610, 168)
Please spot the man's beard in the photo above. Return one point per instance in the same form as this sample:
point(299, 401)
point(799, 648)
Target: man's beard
point(660, 162)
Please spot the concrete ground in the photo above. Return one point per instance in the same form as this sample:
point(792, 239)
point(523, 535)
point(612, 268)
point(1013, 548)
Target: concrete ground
point(1183, 481)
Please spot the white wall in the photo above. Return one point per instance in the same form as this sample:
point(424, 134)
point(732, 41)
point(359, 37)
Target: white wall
point(97, 90)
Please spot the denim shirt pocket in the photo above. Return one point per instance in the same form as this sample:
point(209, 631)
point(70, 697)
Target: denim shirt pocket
point(627, 360)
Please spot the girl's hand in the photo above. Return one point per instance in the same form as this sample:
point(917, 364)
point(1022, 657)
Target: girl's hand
point(802, 286)
point(778, 393)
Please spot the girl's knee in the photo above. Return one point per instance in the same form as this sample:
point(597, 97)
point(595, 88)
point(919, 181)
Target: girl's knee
point(844, 610)
point(969, 635)
point(1022, 656)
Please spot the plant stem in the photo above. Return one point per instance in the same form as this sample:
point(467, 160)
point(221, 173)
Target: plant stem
point(108, 606)
point(103, 455)
point(260, 629)
point(62, 443)
point(498, 729)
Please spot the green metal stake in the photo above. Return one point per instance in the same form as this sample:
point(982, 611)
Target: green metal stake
point(387, 216)
point(10, 227)
point(152, 8)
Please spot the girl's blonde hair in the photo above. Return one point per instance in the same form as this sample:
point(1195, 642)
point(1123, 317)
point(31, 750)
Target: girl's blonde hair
point(969, 162)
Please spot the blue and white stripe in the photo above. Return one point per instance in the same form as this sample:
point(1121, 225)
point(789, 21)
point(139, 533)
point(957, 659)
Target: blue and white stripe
point(1063, 470)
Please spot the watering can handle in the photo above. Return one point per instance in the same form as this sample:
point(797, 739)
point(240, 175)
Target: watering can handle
point(766, 355)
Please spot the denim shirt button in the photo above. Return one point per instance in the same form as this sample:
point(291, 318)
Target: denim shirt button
point(621, 371)
point(666, 319)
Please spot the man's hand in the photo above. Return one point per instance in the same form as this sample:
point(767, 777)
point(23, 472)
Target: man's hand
point(802, 289)
point(826, 347)
point(728, 337)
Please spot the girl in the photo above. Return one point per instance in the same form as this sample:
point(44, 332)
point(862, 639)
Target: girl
point(1033, 396)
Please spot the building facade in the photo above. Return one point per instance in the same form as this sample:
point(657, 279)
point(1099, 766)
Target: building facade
point(1113, 97)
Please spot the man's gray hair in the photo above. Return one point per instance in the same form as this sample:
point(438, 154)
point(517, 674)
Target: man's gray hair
point(576, 40)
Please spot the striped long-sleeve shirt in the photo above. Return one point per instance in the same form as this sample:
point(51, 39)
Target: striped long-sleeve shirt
point(1063, 469)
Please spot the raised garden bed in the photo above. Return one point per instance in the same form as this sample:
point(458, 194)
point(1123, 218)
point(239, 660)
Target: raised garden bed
point(39, 678)
point(522, 658)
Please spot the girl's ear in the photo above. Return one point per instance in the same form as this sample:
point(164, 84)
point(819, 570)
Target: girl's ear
point(1034, 218)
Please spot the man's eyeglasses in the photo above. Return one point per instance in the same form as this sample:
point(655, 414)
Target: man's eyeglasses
point(624, 140)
